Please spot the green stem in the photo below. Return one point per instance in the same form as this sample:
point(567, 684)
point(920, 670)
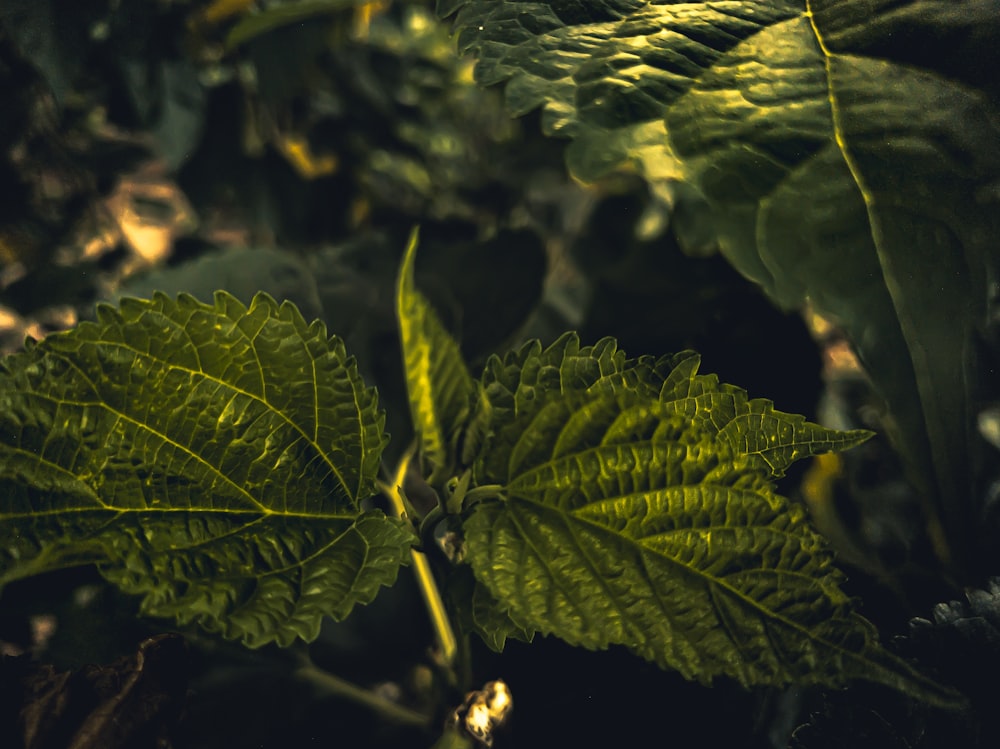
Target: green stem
point(486, 491)
point(431, 519)
point(443, 632)
point(342, 688)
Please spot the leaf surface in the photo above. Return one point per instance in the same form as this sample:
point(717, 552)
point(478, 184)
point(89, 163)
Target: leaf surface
point(437, 381)
point(637, 509)
point(211, 458)
point(848, 152)
point(476, 610)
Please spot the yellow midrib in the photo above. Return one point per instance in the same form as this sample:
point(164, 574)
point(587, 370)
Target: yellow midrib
point(838, 126)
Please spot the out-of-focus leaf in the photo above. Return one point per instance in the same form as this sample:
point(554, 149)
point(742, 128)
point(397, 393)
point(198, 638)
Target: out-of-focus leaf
point(485, 288)
point(51, 38)
point(243, 272)
point(209, 458)
point(988, 422)
point(278, 16)
point(170, 102)
point(961, 640)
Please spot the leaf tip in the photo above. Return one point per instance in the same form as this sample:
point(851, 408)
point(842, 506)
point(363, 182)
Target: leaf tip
point(405, 280)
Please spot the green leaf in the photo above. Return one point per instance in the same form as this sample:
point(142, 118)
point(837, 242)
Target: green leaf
point(210, 458)
point(438, 383)
point(258, 24)
point(636, 509)
point(848, 152)
point(603, 392)
point(476, 610)
point(242, 271)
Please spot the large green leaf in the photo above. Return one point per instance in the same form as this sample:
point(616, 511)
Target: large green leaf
point(209, 458)
point(439, 385)
point(848, 151)
point(636, 508)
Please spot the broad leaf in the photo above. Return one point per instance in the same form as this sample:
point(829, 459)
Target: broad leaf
point(209, 458)
point(848, 150)
point(438, 383)
point(636, 508)
point(476, 610)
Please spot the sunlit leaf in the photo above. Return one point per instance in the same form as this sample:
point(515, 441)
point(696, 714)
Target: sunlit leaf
point(847, 151)
point(211, 458)
point(636, 508)
point(437, 380)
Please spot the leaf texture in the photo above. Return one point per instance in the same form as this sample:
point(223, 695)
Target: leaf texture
point(476, 610)
point(847, 152)
point(637, 509)
point(211, 458)
point(438, 383)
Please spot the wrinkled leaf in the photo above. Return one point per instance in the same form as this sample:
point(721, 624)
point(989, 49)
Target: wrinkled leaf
point(209, 458)
point(476, 610)
point(848, 153)
point(437, 381)
point(636, 508)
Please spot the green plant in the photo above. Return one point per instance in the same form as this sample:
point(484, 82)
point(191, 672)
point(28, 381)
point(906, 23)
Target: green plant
point(228, 465)
point(837, 152)
point(219, 460)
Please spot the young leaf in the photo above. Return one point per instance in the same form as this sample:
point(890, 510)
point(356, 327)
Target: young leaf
point(631, 513)
point(848, 152)
point(439, 384)
point(210, 458)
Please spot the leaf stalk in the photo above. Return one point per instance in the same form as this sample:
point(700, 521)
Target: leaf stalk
point(342, 688)
point(443, 632)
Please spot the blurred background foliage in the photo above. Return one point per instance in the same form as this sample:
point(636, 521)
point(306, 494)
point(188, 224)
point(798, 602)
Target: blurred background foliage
point(192, 145)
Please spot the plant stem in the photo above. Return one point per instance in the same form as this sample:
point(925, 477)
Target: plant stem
point(422, 569)
point(342, 688)
point(486, 491)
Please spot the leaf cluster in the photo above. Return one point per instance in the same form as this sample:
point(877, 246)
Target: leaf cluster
point(214, 460)
point(826, 149)
point(218, 456)
point(210, 459)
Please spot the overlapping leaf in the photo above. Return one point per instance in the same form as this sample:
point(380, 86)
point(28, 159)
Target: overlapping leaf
point(438, 383)
point(848, 150)
point(209, 458)
point(476, 610)
point(636, 509)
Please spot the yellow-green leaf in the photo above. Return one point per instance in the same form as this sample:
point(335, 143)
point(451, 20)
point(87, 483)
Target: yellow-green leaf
point(439, 385)
point(210, 458)
point(635, 507)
